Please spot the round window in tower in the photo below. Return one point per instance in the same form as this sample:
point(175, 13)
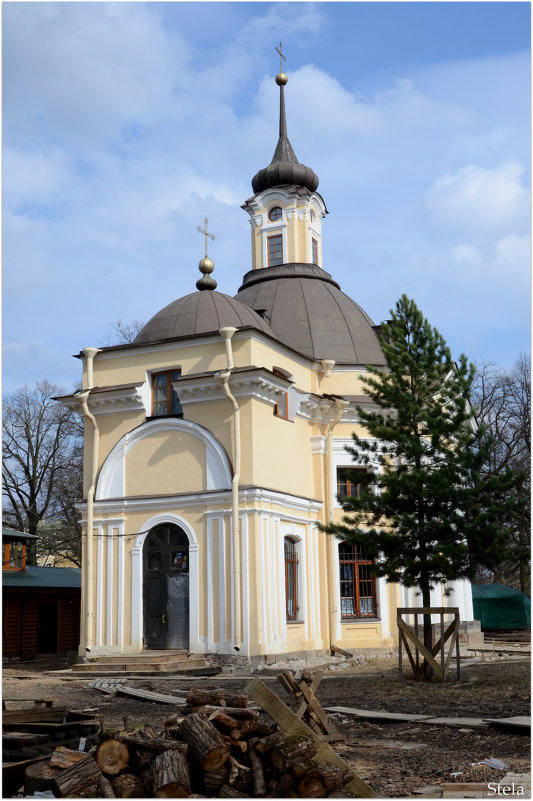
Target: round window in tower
point(274, 214)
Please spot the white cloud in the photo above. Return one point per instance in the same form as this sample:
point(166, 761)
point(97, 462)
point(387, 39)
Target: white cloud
point(483, 199)
point(466, 255)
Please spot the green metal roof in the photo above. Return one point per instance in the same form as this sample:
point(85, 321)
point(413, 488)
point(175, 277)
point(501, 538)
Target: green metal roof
point(59, 577)
point(11, 533)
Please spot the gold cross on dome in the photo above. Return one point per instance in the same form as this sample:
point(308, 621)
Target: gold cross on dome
point(206, 234)
point(281, 56)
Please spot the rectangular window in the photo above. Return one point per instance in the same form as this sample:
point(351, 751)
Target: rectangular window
point(291, 578)
point(347, 487)
point(314, 249)
point(357, 583)
point(282, 406)
point(165, 398)
point(275, 250)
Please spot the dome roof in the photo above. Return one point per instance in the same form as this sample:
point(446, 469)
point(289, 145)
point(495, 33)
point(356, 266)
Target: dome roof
point(200, 313)
point(307, 311)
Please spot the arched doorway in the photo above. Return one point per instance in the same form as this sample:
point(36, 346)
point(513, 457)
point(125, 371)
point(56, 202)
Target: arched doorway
point(166, 588)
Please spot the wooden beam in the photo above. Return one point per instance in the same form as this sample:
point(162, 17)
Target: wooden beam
point(287, 720)
point(423, 650)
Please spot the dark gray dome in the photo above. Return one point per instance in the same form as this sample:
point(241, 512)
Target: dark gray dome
point(307, 311)
point(200, 313)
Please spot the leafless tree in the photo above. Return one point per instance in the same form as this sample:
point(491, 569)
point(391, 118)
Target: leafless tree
point(122, 333)
point(41, 469)
point(503, 404)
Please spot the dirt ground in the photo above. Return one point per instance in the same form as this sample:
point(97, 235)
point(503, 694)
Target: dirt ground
point(395, 759)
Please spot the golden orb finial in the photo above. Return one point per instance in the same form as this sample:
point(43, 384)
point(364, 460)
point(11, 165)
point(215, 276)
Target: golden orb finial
point(206, 265)
point(281, 79)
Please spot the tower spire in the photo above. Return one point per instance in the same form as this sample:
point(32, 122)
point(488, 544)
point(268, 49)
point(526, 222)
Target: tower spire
point(284, 168)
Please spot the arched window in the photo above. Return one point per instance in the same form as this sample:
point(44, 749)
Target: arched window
point(291, 578)
point(357, 583)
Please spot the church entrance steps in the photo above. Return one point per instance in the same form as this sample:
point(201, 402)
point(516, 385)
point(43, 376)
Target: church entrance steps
point(145, 662)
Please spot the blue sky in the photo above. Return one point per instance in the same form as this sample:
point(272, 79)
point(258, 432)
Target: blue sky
point(125, 124)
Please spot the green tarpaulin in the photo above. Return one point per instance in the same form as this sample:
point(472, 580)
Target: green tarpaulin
point(499, 607)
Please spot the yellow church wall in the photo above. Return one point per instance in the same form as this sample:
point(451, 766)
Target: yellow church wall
point(279, 450)
point(165, 463)
point(269, 356)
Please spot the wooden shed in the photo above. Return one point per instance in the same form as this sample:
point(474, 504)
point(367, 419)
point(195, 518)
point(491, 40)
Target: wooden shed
point(41, 605)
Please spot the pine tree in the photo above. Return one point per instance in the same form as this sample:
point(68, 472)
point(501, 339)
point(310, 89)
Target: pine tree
point(426, 512)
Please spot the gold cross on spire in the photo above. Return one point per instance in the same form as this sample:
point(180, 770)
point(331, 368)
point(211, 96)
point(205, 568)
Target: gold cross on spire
point(206, 234)
point(281, 56)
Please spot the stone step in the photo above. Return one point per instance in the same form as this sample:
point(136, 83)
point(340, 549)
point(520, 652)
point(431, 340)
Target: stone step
point(130, 664)
point(146, 656)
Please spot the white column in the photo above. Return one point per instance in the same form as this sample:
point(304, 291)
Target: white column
point(194, 597)
point(210, 572)
point(110, 585)
point(245, 584)
point(99, 612)
point(136, 599)
point(120, 587)
point(384, 607)
point(222, 582)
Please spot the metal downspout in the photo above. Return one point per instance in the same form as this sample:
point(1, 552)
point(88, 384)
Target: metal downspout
point(341, 405)
point(227, 333)
point(90, 353)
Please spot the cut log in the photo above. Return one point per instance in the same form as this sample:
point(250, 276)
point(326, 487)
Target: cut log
point(227, 791)
point(128, 786)
point(170, 775)
point(221, 720)
point(234, 711)
point(322, 780)
point(112, 757)
point(156, 745)
point(39, 776)
point(199, 696)
point(258, 775)
point(265, 744)
point(215, 779)
point(283, 788)
point(292, 748)
point(76, 780)
point(205, 742)
point(65, 757)
point(239, 775)
point(105, 788)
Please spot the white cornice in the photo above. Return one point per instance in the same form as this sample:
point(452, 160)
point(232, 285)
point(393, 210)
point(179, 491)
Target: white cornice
point(117, 508)
point(129, 399)
point(253, 384)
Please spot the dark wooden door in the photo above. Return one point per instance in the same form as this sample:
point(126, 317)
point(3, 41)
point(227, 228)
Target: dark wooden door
point(166, 588)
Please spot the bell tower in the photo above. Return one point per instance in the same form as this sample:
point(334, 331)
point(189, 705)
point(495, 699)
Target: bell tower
point(286, 211)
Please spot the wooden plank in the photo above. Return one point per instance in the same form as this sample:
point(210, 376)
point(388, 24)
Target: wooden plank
point(519, 723)
point(321, 714)
point(287, 720)
point(367, 714)
point(452, 646)
point(302, 705)
point(148, 695)
point(36, 715)
point(423, 650)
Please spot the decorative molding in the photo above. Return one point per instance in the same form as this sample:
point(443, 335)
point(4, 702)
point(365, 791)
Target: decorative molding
point(127, 399)
point(318, 444)
point(112, 478)
point(252, 384)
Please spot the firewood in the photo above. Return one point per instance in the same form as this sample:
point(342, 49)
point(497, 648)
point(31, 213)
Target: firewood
point(199, 696)
point(170, 775)
point(65, 757)
point(39, 776)
point(258, 775)
point(238, 746)
point(236, 712)
point(299, 770)
point(265, 744)
point(292, 748)
point(173, 720)
point(73, 781)
point(227, 791)
point(128, 786)
point(221, 720)
point(239, 775)
point(322, 780)
point(112, 756)
point(105, 788)
point(215, 779)
point(283, 788)
point(206, 743)
point(156, 745)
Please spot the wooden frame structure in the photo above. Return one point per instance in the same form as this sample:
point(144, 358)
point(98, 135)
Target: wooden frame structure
point(307, 705)
point(406, 635)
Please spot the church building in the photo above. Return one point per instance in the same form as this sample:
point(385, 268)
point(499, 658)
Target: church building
point(215, 444)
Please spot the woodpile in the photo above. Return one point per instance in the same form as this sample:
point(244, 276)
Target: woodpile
point(218, 747)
